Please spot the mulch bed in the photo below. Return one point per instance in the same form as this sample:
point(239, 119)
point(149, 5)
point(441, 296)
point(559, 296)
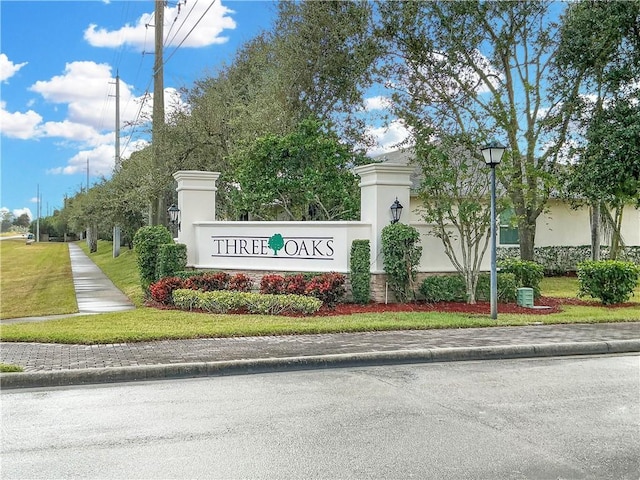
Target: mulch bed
point(554, 306)
point(445, 307)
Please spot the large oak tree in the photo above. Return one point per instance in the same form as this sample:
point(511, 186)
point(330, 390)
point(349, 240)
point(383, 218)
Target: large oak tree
point(479, 69)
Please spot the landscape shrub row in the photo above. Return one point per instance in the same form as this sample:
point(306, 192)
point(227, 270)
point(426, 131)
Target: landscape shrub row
point(561, 260)
point(161, 291)
point(254, 303)
point(329, 288)
point(608, 280)
point(453, 288)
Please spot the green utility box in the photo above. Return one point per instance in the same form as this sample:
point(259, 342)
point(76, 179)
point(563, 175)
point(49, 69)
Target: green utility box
point(525, 297)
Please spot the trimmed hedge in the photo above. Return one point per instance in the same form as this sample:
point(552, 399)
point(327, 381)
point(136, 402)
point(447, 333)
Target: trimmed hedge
point(401, 257)
point(527, 274)
point(254, 303)
point(444, 288)
point(172, 258)
point(453, 288)
point(560, 260)
point(146, 244)
point(608, 280)
point(360, 267)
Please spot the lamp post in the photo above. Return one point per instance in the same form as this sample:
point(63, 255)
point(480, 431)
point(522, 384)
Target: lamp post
point(396, 211)
point(492, 154)
point(174, 216)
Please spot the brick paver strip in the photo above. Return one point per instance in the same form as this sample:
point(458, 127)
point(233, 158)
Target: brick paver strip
point(55, 357)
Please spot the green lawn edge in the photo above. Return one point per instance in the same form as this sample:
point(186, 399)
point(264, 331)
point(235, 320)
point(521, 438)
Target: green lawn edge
point(151, 324)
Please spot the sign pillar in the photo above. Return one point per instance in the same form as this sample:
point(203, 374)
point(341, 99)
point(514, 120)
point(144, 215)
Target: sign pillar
point(380, 185)
point(197, 202)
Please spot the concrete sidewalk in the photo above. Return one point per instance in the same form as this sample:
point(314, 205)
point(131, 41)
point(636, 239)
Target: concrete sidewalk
point(56, 364)
point(95, 293)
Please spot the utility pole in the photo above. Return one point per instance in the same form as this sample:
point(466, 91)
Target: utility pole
point(117, 163)
point(116, 228)
point(38, 214)
point(157, 210)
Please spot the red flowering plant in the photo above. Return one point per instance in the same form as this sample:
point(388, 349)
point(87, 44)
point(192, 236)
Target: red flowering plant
point(295, 284)
point(161, 291)
point(240, 283)
point(208, 282)
point(272, 284)
point(328, 287)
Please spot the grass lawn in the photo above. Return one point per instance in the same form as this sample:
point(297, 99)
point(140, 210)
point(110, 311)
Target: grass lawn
point(148, 324)
point(35, 279)
point(8, 368)
point(145, 323)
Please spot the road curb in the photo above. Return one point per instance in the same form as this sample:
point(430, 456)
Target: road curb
point(264, 365)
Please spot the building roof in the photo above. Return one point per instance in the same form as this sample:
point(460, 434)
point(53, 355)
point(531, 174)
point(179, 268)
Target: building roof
point(404, 156)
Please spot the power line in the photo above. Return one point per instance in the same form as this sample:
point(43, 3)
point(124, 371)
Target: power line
point(168, 42)
point(190, 31)
point(179, 4)
point(164, 62)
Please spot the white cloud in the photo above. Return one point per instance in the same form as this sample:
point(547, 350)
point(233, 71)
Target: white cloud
point(379, 102)
point(388, 138)
point(71, 131)
point(19, 211)
point(212, 18)
point(7, 68)
point(101, 162)
point(17, 124)
point(85, 87)
point(101, 159)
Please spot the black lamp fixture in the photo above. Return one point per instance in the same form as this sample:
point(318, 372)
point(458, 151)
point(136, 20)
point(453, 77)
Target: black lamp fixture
point(174, 215)
point(396, 211)
point(492, 153)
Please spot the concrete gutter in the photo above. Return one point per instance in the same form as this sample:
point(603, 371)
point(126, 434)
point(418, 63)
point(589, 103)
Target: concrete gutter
point(266, 365)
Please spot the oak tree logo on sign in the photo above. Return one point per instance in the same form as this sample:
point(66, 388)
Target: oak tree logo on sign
point(276, 242)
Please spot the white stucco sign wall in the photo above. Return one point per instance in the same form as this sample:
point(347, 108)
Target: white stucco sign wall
point(282, 246)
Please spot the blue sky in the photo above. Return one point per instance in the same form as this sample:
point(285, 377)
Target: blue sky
point(58, 62)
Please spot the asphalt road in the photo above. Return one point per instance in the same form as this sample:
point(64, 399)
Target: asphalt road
point(570, 418)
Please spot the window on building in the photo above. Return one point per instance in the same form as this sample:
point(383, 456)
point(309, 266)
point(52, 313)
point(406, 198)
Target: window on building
point(508, 228)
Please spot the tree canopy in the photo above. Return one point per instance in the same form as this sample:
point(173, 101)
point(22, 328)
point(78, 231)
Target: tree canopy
point(304, 175)
point(478, 69)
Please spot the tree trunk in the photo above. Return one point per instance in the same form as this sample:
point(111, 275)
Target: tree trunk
point(527, 231)
point(595, 231)
point(616, 237)
point(472, 283)
point(92, 238)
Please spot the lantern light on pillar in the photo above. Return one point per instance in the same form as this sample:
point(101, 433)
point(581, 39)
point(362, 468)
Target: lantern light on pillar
point(174, 215)
point(396, 211)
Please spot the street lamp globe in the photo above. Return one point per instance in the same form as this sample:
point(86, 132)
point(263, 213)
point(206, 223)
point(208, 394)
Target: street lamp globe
point(492, 153)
